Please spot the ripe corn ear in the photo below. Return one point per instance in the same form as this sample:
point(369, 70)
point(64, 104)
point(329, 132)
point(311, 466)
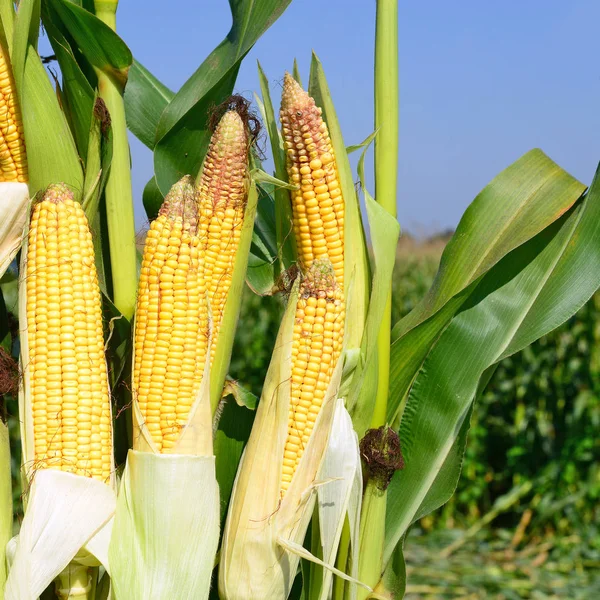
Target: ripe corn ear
point(316, 347)
point(68, 379)
point(222, 189)
point(318, 203)
point(275, 488)
point(186, 275)
point(13, 161)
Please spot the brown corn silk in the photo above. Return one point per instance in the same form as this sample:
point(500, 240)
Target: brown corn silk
point(67, 370)
point(188, 263)
point(13, 160)
point(317, 203)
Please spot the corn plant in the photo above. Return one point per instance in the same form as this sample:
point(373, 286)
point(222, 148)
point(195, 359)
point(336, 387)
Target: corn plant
point(146, 471)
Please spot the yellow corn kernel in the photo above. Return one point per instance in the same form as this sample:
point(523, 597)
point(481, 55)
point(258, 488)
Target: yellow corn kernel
point(188, 262)
point(320, 301)
point(13, 161)
point(72, 423)
point(318, 205)
point(222, 188)
point(171, 324)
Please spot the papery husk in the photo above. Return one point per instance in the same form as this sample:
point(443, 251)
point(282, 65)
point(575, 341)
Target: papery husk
point(14, 201)
point(342, 496)
point(167, 522)
point(66, 515)
point(166, 528)
point(263, 533)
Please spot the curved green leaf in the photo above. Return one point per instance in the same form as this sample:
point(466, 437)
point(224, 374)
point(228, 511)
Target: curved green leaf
point(78, 94)
point(515, 206)
point(499, 310)
point(102, 47)
point(283, 208)
point(182, 132)
point(145, 100)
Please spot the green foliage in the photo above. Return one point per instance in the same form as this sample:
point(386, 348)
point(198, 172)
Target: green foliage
point(536, 421)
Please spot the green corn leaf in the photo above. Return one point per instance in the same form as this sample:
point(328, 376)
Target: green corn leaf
point(101, 46)
point(283, 209)
point(152, 199)
point(514, 207)
point(356, 261)
point(514, 302)
point(260, 275)
point(385, 231)
point(51, 151)
point(233, 431)
point(145, 100)
point(77, 92)
point(296, 72)
point(182, 134)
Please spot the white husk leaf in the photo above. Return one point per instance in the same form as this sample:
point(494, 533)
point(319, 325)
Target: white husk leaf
point(166, 528)
point(259, 554)
point(342, 495)
point(167, 524)
point(64, 512)
point(14, 200)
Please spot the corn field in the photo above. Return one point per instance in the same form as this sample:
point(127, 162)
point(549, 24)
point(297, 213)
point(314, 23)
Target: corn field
point(146, 470)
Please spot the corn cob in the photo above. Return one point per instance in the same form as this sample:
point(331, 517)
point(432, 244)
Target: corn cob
point(317, 204)
point(188, 262)
point(171, 324)
point(13, 161)
point(316, 347)
point(67, 367)
point(222, 188)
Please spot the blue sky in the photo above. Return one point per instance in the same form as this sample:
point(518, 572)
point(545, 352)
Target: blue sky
point(480, 83)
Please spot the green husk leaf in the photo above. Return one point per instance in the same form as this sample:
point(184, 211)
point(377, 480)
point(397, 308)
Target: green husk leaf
point(342, 495)
point(166, 527)
point(232, 305)
point(243, 397)
point(233, 431)
point(51, 151)
point(385, 231)
point(77, 93)
point(283, 209)
point(152, 199)
point(260, 176)
point(356, 262)
point(260, 523)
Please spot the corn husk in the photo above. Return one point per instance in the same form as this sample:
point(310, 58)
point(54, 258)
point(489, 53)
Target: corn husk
point(167, 522)
point(67, 516)
point(342, 496)
point(6, 516)
point(166, 528)
point(14, 200)
point(263, 535)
